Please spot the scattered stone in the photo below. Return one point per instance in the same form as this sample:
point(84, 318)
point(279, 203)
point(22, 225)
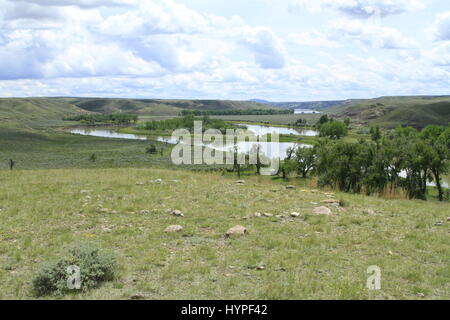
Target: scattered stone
point(140, 183)
point(391, 253)
point(314, 203)
point(370, 212)
point(240, 182)
point(421, 295)
point(177, 213)
point(228, 275)
point(85, 191)
point(439, 223)
point(145, 212)
point(158, 181)
point(175, 228)
point(322, 211)
point(331, 201)
point(267, 215)
point(295, 214)
point(448, 219)
point(314, 191)
point(257, 215)
point(236, 230)
point(290, 187)
point(260, 268)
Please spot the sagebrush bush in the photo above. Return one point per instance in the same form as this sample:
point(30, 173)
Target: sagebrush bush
point(95, 267)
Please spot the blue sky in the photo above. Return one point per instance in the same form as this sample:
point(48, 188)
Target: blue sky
point(279, 50)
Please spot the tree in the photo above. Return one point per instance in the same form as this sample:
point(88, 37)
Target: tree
point(304, 159)
point(333, 130)
point(375, 133)
point(437, 139)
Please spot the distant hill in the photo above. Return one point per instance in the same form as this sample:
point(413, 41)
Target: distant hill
point(317, 105)
point(45, 111)
point(391, 112)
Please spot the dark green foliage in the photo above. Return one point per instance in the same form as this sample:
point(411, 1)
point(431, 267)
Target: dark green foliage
point(91, 119)
point(95, 268)
point(403, 159)
point(333, 129)
point(187, 122)
point(248, 112)
point(151, 149)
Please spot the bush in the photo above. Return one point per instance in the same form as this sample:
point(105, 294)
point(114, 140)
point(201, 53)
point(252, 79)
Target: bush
point(95, 268)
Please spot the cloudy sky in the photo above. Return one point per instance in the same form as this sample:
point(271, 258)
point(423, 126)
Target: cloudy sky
point(279, 50)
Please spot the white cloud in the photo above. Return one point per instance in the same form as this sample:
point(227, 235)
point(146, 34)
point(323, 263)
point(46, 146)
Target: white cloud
point(313, 39)
point(359, 8)
point(268, 49)
point(80, 3)
point(442, 26)
point(370, 34)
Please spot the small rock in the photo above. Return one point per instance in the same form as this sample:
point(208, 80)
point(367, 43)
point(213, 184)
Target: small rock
point(448, 219)
point(158, 181)
point(236, 230)
point(260, 268)
point(370, 212)
point(439, 223)
point(85, 191)
point(267, 215)
point(228, 275)
point(140, 183)
point(322, 211)
point(257, 215)
point(330, 201)
point(145, 212)
point(240, 182)
point(177, 213)
point(175, 228)
point(295, 214)
point(421, 295)
point(290, 187)
point(391, 253)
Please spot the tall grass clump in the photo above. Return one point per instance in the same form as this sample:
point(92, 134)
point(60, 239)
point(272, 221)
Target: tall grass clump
point(95, 267)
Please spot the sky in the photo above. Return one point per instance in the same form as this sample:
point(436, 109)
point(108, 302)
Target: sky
point(277, 50)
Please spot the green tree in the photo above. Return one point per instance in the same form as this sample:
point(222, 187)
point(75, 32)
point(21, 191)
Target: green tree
point(333, 130)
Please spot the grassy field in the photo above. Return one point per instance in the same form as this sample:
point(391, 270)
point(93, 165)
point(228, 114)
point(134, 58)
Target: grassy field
point(309, 257)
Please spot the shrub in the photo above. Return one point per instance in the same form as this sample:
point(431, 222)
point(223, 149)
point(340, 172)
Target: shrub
point(95, 268)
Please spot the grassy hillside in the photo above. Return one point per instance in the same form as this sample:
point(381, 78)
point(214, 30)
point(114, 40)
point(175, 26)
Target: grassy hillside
point(309, 257)
point(391, 112)
point(154, 107)
point(34, 112)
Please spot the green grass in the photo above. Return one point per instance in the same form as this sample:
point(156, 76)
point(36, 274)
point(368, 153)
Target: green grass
point(391, 112)
point(311, 257)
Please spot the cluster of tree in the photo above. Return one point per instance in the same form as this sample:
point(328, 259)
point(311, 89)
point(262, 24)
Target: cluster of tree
point(187, 122)
point(300, 123)
point(402, 159)
point(331, 128)
point(116, 118)
point(233, 112)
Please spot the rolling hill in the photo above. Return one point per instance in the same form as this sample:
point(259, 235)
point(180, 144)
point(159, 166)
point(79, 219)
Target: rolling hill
point(34, 112)
point(390, 112)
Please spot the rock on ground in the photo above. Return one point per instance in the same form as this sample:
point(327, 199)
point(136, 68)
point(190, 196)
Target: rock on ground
point(295, 214)
point(175, 228)
point(236, 230)
point(177, 213)
point(322, 211)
